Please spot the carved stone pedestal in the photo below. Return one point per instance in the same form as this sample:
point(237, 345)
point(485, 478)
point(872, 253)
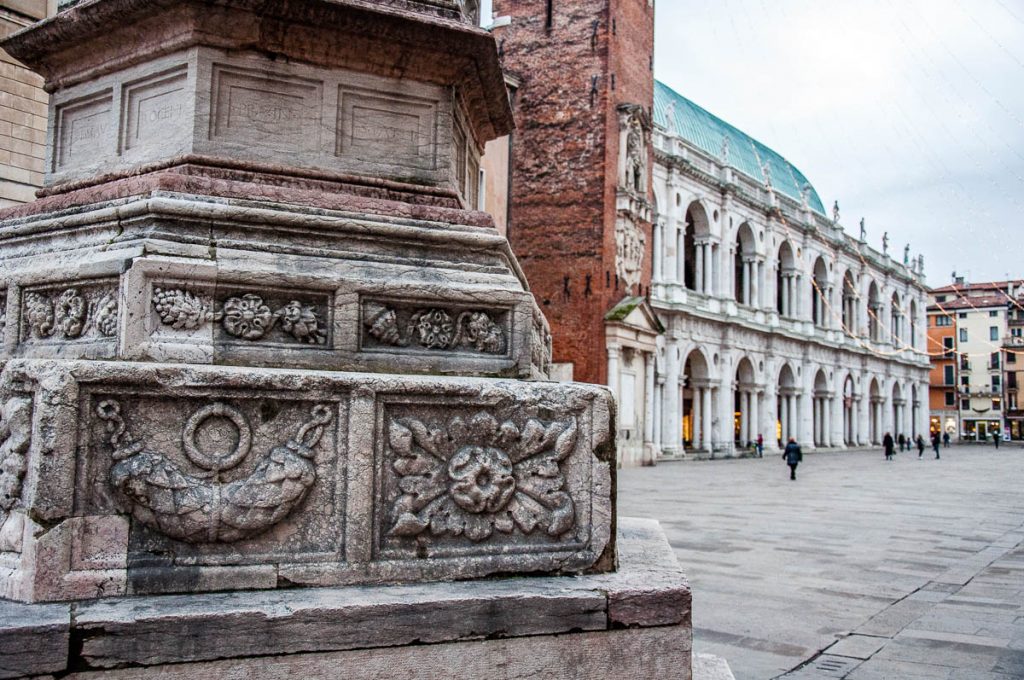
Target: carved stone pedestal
point(256, 339)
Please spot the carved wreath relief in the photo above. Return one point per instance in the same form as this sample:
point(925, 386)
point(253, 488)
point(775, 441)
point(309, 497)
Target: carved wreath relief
point(15, 438)
point(477, 476)
point(71, 313)
point(245, 316)
point(204, 508)
point(435, 328)
point(629, 251)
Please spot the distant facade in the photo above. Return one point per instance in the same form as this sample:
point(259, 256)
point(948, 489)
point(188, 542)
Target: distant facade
point(687, 266)
point(985, 322)
point(23, 105)
point(778, 323)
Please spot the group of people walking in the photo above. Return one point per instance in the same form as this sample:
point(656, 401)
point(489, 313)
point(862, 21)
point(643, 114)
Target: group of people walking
point(792, 454)
point(908, 444)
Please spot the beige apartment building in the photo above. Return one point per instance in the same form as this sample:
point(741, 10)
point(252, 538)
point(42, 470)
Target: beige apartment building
point(22, 109)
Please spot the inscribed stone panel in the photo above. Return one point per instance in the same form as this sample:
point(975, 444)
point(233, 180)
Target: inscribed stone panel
point(387, 128)
point(155, 110)
point(83, 131)
point(264, 109)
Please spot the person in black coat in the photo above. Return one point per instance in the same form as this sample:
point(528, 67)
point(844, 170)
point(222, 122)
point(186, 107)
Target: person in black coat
point(902, 441)
point(792, 455)
point(920, 446)
point(935, 443)
point(889, 446)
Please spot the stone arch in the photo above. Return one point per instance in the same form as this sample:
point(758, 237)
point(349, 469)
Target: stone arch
point(822, 409)
point(787, 404)
point(849, 309)
point(820, 289)
point(876, 400)
point(696, 260)
point(696, 400)
point(896, 319)
point(744, 401)
point(874, 313)
point(786, 277)
point(745, 265)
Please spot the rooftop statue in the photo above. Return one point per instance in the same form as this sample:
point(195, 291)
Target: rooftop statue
point(835, 212)
point(885, 243)
point(863, 231)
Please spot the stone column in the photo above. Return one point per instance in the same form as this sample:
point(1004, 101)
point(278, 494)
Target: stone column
point(659, 407)
point(648, 399)
point(706, 418)
point(680, 235)
point(613, 376)
point(672, 409)
point(698, 274)
point(826, 420)
point(656, 264)
point(755, 420)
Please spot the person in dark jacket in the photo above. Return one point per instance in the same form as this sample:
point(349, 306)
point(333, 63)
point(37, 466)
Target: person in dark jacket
point(945, 440)
point(935, 443)
point(902, 441)
point(920, 446)
point(792, 455)
point(889, 446)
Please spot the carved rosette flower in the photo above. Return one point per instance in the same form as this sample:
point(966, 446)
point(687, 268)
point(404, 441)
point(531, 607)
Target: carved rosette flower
point(180, 309)
point(434, 328)
point(247, 317)
point(302, 323)
point(470, 478)
point(70, 312)
point(106, 315)
point(39, 313)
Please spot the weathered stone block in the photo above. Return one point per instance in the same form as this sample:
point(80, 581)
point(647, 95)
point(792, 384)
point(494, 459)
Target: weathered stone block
point(164, 478)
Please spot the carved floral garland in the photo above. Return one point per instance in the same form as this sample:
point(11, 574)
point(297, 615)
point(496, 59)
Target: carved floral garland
point(477, 476)
point(437, 329)
point(70, 314)
point(246, 316)
point(198, 509)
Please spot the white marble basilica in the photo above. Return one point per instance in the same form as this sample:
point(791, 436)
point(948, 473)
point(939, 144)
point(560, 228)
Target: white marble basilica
point(776, 322)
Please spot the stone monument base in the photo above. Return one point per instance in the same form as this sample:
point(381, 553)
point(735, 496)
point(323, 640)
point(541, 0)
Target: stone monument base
point(634, 623)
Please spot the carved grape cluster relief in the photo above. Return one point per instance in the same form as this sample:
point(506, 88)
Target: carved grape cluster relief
point(472, 477)
point(71, 313)
point(436, 328)
point(203, 508)
point(245, 316)
point(15, 438)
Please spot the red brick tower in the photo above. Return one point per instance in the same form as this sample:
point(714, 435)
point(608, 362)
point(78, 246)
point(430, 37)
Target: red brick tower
point(580, 217)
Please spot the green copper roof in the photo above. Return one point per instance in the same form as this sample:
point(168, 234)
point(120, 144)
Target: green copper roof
point(677, 114)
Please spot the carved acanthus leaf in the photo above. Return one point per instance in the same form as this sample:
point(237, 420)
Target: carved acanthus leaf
point(437, 328)
point(15, 439)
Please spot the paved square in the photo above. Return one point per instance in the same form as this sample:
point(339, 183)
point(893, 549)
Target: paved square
point(861, 569)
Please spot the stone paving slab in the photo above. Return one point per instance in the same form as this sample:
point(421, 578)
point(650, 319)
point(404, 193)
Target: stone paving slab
point(926, 556)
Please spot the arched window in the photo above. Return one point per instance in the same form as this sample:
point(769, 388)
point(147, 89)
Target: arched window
point(785, 281)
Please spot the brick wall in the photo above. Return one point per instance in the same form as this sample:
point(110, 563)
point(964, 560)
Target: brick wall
point(565, 155)
point(23, 108)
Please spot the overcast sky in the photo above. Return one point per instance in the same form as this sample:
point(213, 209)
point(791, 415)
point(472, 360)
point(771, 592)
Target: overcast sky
point(909, 112)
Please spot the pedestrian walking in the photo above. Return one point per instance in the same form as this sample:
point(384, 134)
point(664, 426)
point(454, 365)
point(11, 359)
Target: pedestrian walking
point(902, 441)
point(996, 436)
point(920, 446)
point(945, 439)
point(760, 446)
point(792, 455)
point(935, 443)
point(889, 446)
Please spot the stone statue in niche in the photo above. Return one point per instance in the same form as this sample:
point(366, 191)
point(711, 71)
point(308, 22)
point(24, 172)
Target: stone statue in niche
point(635, 128)
point(629, 251)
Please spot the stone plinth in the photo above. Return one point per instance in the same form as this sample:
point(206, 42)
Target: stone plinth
point(143, 478)
point(628, 624)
